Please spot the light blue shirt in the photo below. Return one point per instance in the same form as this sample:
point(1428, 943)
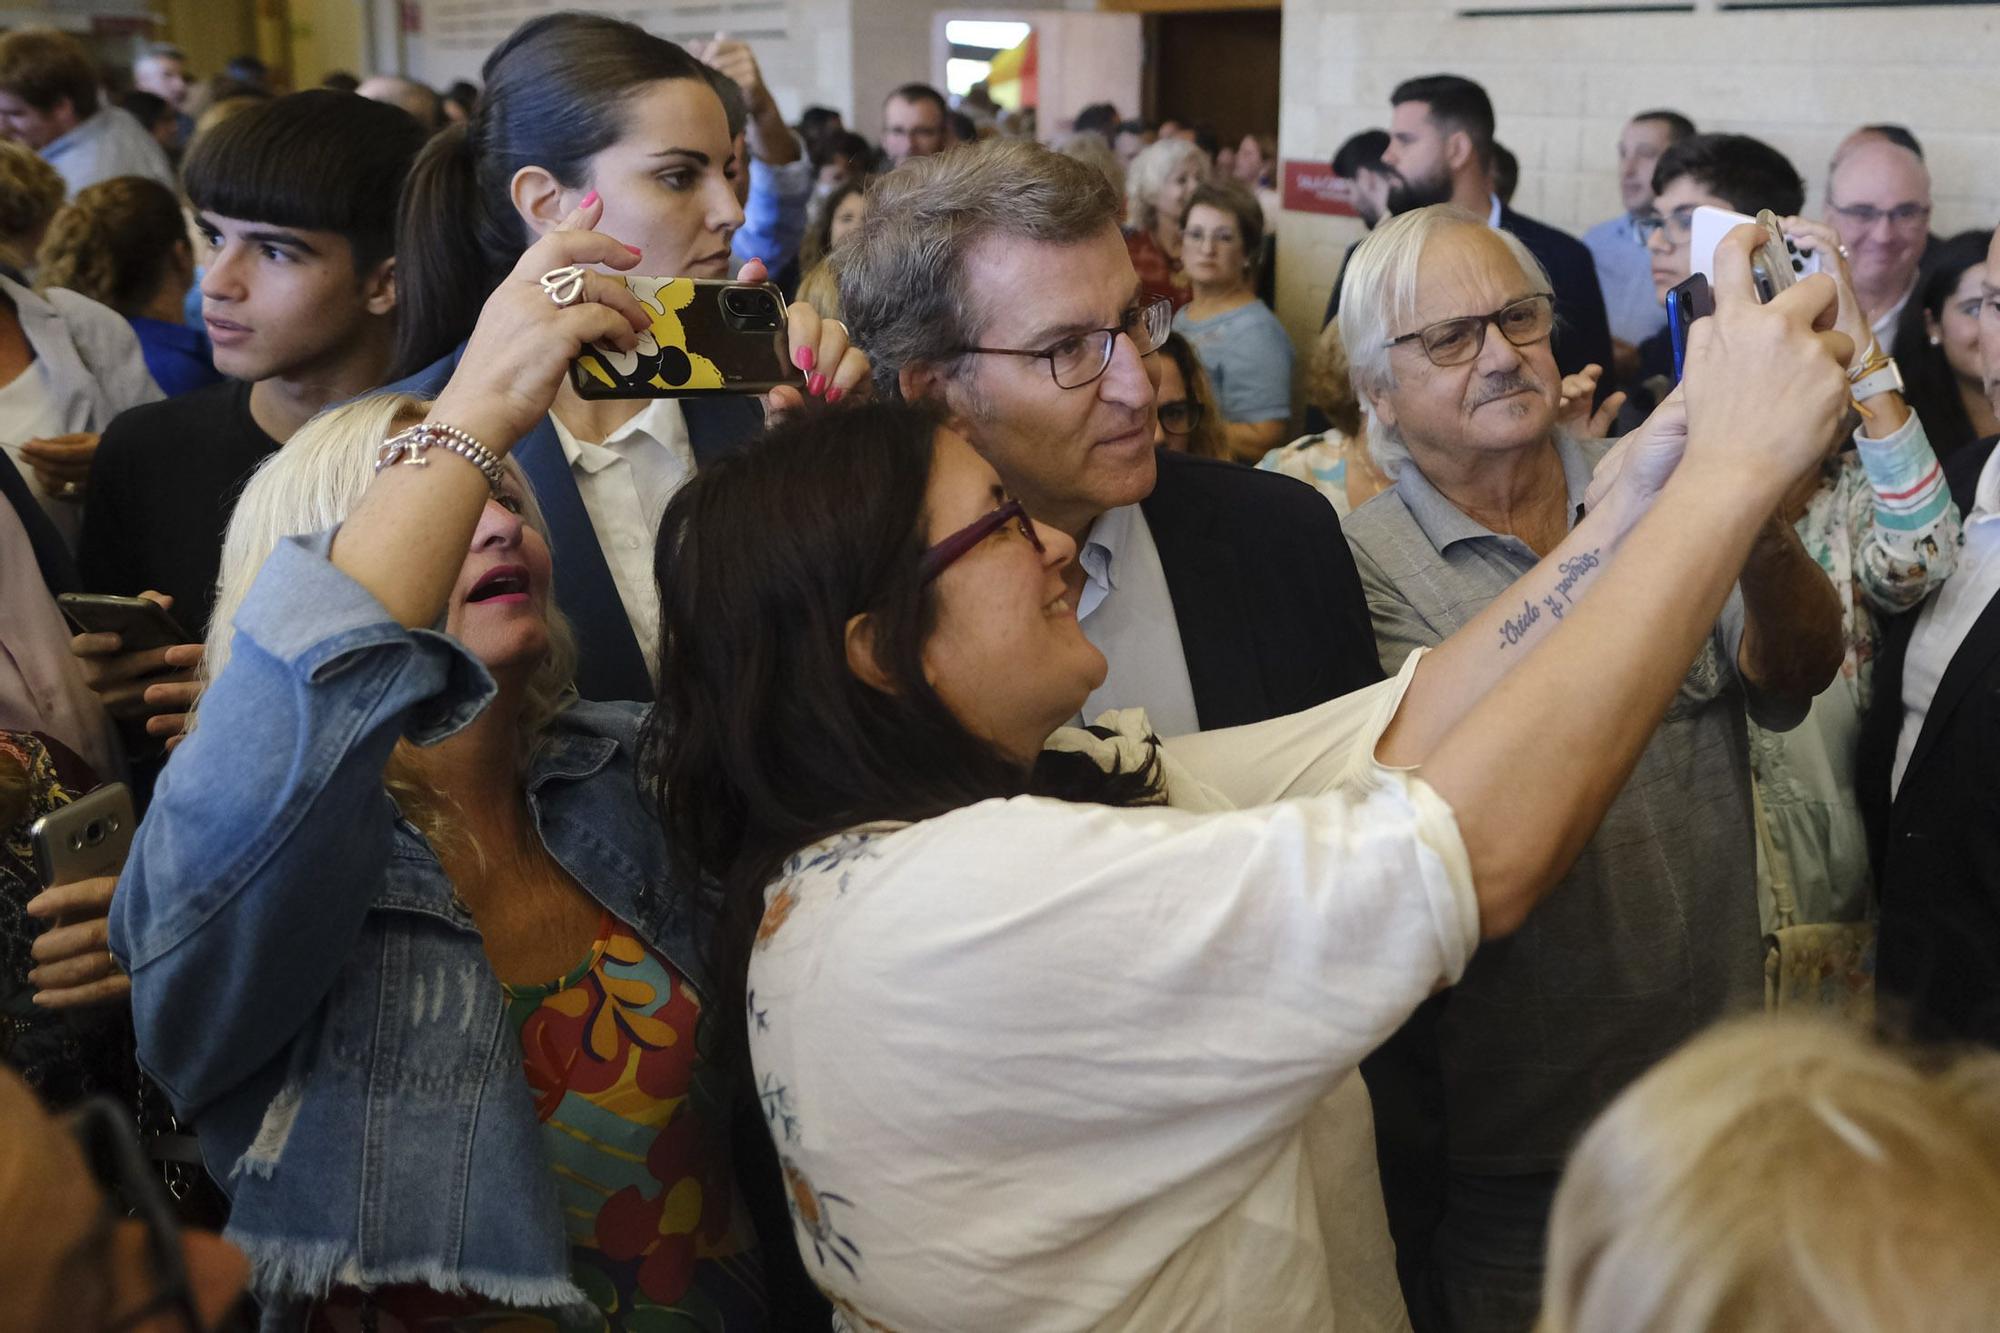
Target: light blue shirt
point(109, 143)
point(774, 214)
point(1625, 272)
point(1126, 610)
point(1248, 357)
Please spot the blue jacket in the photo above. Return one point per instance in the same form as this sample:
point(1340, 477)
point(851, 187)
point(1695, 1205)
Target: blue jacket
point(306, 985)
point(609, 663)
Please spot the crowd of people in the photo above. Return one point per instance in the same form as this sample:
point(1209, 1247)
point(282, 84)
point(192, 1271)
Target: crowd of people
point(997, 830)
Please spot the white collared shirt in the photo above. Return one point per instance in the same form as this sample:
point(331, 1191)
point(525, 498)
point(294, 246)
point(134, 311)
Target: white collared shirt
point(1885, 327)
point(1493, 214)
point(1948, 617)
point(625, 483)
point(1135, 629)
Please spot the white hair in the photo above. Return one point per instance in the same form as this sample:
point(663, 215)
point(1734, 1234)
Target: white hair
point(311, 485)
point(1378, 300)
point(1151, 170)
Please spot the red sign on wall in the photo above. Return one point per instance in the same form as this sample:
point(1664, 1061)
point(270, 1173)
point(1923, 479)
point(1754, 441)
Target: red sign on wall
point(1311, 187)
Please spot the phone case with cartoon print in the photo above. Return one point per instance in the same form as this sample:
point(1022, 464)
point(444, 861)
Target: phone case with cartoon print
point(708, 336)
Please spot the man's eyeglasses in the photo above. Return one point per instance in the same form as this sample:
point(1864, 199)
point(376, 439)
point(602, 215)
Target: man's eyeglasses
point(941, 556)
point(1679, 226)
point(1082, 358)
point(1453, 342)
point(1903, 217)
point(1179, 418)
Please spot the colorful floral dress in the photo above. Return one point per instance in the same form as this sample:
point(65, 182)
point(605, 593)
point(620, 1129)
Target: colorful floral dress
point(659, 1241)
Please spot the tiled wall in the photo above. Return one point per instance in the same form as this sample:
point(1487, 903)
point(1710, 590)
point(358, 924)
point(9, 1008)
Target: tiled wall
point(1563, 86)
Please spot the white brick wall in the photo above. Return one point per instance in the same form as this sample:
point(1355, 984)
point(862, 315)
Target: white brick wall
point(1563, 86)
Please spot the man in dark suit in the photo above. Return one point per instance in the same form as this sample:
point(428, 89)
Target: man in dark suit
point(1441, 150)
point(997, 285)
point(610, 662)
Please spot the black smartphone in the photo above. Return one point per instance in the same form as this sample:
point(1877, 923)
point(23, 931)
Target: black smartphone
point(707, 337)
point(86, 838)
point(140, 622)
point(1686, 303)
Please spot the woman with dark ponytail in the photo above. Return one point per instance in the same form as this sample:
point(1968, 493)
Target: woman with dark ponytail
point(579, 109)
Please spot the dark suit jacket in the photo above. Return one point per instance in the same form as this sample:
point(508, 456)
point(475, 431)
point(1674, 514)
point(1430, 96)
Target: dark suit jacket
point(1271, 613)
point(1583, 332)
point(609, 663)
point(1937, 845)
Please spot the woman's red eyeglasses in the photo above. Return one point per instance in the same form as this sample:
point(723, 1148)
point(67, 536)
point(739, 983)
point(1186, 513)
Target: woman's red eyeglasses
point(939, 557)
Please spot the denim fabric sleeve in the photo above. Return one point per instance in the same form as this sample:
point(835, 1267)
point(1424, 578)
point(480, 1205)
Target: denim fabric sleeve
point(269, 834)
point(774, 216)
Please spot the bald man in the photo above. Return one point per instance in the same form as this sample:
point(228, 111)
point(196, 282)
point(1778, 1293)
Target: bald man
point(419, 100)
point(1878, 197)
point(68, 1260)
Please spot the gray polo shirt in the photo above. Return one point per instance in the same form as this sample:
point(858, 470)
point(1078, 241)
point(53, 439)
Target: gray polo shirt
point(1653, 933)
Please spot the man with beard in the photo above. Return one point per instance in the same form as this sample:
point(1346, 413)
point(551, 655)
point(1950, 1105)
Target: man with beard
point(1441, 152)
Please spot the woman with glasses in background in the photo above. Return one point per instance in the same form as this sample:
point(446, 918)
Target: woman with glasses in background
point(1184, 415)
point(1245, 349)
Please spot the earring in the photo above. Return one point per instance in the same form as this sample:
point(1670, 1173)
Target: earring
point(1936, 341)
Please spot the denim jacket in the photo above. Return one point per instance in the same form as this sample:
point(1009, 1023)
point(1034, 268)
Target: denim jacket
point(307, 986)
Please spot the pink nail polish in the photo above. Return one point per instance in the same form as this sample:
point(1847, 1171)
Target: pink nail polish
point(636, 251)
point(588, 200)
point(835, 395)
point(816, 385)
point(803, 358)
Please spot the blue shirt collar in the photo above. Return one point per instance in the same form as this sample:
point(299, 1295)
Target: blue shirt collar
point(1110, 535)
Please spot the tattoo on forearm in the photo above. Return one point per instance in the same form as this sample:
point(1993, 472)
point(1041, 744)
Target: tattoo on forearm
point(1514, 630)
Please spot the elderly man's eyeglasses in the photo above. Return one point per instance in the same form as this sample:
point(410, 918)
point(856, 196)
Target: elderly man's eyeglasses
point(1453, 342)
point(1179, 418)
point(1082, 358)
point(1903, 217)
point(941, 556)
point(1678, 225)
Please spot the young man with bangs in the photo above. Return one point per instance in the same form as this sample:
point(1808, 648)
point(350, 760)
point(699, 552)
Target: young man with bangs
point(297, 201)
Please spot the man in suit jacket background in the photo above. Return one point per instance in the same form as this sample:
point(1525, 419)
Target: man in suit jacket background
point(1441, 149)
point(1930, 770)
point(997, 284)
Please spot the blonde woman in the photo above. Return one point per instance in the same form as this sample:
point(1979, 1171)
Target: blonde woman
point(1158, 185)
point(30, 193)
point(1784, 1174)
point(1335, 460)
point(401, 932)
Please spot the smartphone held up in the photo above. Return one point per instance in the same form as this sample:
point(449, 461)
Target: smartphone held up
point(708, 336)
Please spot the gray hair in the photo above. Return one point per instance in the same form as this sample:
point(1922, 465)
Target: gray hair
point(902, 276)
point(1151, 170)
point(1094, 150)
point(1378, 297)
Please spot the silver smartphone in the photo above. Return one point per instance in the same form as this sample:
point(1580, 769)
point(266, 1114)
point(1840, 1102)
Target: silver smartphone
point(86, 838)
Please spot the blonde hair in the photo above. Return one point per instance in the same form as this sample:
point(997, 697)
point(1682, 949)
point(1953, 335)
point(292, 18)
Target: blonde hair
point(1781, 1174)
point(30, 193)
point(820, 288)
point(1329, 385)
point(1151, 170)
point(311, 485)
point(114, 242)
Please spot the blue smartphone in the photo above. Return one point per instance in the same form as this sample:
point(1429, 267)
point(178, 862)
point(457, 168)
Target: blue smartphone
point(1686, 303)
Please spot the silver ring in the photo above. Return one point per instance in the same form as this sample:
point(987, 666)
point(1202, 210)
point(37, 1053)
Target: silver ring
point(1844, 252)
point(564, 285)
point(843, 329)
point(69, 490)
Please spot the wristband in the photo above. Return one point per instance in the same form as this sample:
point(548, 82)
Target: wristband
point(1876, 378)
point(410, 445)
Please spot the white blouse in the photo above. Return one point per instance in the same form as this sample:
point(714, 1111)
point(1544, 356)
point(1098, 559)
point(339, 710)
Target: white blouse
point(1040, 1065)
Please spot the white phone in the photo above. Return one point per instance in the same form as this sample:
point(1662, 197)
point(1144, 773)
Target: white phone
point(1784, 261)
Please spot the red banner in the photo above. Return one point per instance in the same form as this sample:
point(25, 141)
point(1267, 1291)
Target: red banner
point(1311, 187)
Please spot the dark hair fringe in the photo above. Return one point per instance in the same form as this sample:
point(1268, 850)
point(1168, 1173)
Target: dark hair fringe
point(320, 160)
point(1748, 173)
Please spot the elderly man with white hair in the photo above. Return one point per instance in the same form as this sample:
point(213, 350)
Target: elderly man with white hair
point(1654, 932)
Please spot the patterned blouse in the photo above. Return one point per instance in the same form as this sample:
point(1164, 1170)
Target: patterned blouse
point(1883, 527)
point(659, 1241)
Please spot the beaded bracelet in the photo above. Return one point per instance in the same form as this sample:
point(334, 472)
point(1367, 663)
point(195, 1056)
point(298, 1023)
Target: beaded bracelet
point(411, 444)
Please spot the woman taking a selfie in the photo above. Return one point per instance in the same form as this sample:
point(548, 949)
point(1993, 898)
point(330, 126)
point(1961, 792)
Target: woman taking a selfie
point(581, 109)
point(402, 933)
point(1052, 1028)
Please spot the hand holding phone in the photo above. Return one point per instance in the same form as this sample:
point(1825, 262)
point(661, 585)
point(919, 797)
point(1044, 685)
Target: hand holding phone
point(1778, 263)
point(707, 336)
point(79, 850)
point(122, 675)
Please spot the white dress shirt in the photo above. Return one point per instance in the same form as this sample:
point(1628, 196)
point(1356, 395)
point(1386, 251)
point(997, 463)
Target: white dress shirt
point(110, 142)
point(1135, 629)
point(1948, 617)
point(1041, 1065)
point(625, 483)
point(1885, 327)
